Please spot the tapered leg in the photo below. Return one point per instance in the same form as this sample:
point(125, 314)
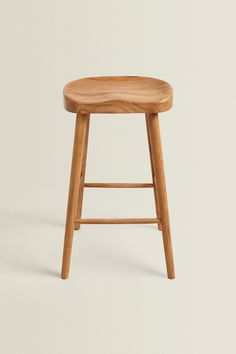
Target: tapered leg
point(153, 175)
point(158, 167)
point(76, 168)
point(82, 177)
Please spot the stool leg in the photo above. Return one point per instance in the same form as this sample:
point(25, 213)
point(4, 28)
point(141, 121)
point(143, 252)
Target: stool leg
point(76, 168)
point(158, 166)
point(158, 213)
point(82, 177)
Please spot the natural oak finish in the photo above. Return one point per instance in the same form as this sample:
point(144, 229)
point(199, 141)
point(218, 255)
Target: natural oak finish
point(128, 94)
point(153, 174)
point(82, 177)
point(119, 221)
point(76, 169)
point(118, 185)
point(158, 166)
point(118, 94)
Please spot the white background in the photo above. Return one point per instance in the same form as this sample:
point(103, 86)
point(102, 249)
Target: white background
point(117, 299)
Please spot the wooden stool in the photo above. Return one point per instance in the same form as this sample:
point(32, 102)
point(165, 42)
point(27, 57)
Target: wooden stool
point(127, 94)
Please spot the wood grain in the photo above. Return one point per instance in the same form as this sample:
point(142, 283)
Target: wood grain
point(118, 94)
point(158, 166)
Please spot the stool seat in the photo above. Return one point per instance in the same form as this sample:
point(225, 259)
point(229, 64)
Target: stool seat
point(118, 94)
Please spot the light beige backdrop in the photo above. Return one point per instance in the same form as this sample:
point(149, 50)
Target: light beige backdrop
point(118, 299)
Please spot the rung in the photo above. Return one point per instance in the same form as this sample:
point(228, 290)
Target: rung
point(118, 185)
point(118, 221)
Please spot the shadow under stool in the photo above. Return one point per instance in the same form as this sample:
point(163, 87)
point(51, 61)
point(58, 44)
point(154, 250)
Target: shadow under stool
point(117, 94)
